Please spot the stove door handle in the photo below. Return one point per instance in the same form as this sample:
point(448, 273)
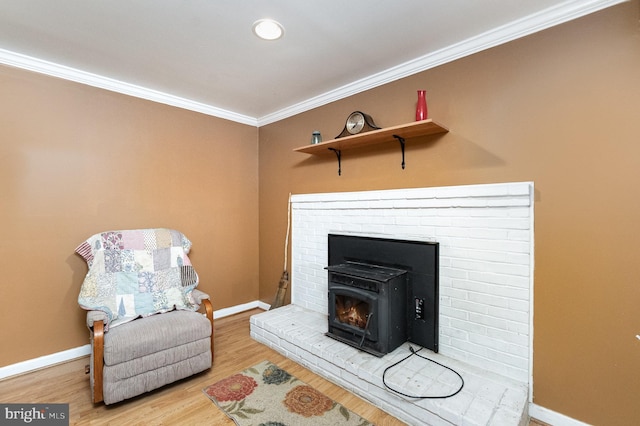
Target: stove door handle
point(366, 327)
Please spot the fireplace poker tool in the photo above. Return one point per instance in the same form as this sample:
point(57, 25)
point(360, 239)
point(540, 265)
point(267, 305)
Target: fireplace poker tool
point(284, 279)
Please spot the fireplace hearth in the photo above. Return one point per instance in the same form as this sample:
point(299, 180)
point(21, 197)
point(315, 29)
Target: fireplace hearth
point(382, 292)
point(485, 235)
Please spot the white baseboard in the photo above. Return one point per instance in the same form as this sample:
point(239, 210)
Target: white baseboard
point(264, 306)
point(225, 312)
point(70, 354)
point(551, 417)
point(44, 361)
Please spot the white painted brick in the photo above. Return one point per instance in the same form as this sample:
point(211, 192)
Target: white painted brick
point(520, 351)
point(513, 397)
point(479, 413)
point(454, 213)
point(445, 282)
point(493, 278)
point(508, 336)
point(371, 370)
point(447, 312)
point(520, 188)
point(491, 245)
point(373, 229)
point(430, 218)
point(455, 271)
point(505, 417)
point(272, 338)
point(511, 202)
point(444, 340)
point(308, 359)
point(455, 410)
point(351, 378)
point(489, 256)
point(468, 326)
point(519, 235)
point(453, 293)
point(509, 314)
point(480, 233)
point(520, 329)
point(507, 348)
point(519, 212)
point(473, 190)
point(520, 258)
point(508, 359)
point(472, 348)
point(494, 289)
point(520, 374)
point(494, 267)
point(455, 333)
point(493, 212)
point(444, 262)
point(491, 222)
point(485, 238)
point(488, 300)
point(488, 320)
point(489, 390)
point(328, 367)
point(471, 307)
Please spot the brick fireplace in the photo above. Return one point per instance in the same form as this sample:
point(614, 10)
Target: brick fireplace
point(485, 235)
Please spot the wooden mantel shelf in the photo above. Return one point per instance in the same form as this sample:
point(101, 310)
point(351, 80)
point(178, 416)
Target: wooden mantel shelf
point(397, 133)
point(389, 134)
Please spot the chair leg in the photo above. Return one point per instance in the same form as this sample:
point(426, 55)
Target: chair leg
point(209, 312)
point(98, 360)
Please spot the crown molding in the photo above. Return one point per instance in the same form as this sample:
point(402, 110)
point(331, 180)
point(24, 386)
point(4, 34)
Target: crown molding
point(548, 18)
point(553, 16)
point(72, 74)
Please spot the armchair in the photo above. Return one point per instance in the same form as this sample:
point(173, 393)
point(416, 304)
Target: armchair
point(145, 328)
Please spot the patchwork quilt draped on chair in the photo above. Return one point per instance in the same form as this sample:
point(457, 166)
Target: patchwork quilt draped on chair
point(142, 285)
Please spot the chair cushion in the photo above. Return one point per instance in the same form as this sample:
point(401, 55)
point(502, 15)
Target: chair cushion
point(153, 334)
point(141, 375)
point(136, 273)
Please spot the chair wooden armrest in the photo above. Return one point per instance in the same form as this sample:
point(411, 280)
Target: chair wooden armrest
point(98, 360)
point(209, 313)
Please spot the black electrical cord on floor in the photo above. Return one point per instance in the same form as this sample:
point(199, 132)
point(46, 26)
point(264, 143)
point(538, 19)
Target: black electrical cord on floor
point(414, 352)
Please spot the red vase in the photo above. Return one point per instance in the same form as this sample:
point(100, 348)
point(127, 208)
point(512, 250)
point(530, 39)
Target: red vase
point(421, 107)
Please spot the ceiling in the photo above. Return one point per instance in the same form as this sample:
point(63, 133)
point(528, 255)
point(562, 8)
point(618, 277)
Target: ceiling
point(202, 55)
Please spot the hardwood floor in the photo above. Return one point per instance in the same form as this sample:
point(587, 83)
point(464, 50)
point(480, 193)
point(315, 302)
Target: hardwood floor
point(179, 403)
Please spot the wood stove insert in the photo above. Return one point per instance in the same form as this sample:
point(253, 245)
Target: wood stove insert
point(383, 292)
point(367, 305)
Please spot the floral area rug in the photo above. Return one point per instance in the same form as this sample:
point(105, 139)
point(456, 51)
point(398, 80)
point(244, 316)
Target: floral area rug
point(266, 395)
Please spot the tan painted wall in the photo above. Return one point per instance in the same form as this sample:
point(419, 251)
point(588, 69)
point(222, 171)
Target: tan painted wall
point(560, 108)
point(76, 160)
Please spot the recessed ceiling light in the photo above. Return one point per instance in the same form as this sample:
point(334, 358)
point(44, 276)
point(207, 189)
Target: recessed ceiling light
point(268, 29)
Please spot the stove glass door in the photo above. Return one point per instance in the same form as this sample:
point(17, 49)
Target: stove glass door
point(354, 310)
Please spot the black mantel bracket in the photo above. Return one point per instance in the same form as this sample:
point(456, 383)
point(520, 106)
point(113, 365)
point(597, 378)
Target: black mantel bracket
point(339, 155)
point(401, 140)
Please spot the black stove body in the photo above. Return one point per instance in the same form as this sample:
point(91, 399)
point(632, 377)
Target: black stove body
point(382, 292)
point(367, 305)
